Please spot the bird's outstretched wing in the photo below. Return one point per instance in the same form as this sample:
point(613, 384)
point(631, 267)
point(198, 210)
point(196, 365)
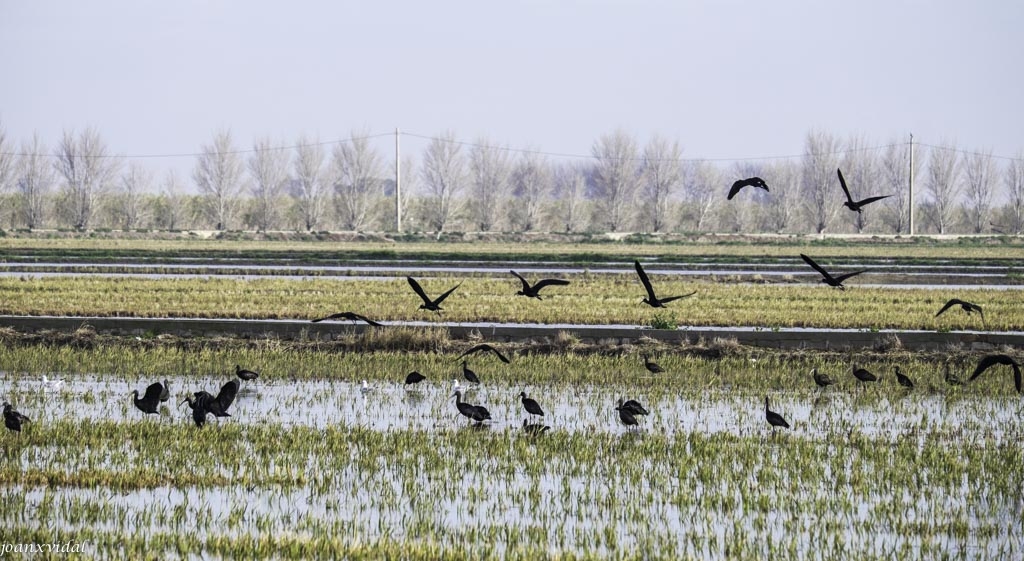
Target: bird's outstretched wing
point(842, 183)
point(227, 394)
point(153, 392)
point(446, 294)
point(839, 279)
point(739, 184)
point(549, 282)
point(484, 347)
point(419, 290)
point(646, 281)
point(671, 298)
point(364, 319)
point(870, 200)
point(526, 285)
point(815, 266)
point(991, 360)
point(950, 304)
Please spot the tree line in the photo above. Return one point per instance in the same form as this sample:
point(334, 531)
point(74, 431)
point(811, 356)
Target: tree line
point(622, 186)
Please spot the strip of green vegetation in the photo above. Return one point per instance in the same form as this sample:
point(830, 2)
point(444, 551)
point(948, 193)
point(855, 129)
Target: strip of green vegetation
point(590, 299)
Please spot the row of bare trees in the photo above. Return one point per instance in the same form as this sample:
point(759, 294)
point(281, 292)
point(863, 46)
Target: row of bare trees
point(485, 186)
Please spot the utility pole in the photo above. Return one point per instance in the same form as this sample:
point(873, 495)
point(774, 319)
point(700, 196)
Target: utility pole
point(911, 176)
point(397, 183)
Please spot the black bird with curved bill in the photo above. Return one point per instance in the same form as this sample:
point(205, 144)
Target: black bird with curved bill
point(166, 393)
point(428, 304)
point(12, 419)
point(247, 375)
point(414, 377)
point(952, 379)
point(533, 291)
point(227, 394)
point(207, 402)
point(475, 413)
point(652, 299)
point(903, 379)
point(964, 305)
point(651, 366)
point(827, 278)
point(822, 380)
point(773, 418)
point(149, 402)
point(484, 348)
point(199, 408)
point(531, 405)
point(627, 416)
point(633, 406)
point(748, 182)
point(864, 375)
point(350, 316)
point(988, 361)
point(534, 428)
point(850, 203)
point(469, 374)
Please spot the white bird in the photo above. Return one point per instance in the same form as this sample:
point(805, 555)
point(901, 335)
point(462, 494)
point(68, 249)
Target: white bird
point(365, 388)
point(52, 385)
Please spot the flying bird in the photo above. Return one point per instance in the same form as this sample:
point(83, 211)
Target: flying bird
point(484, 347)
point(652, 300)
point(748, 182)
point(12, 419)
point(428, 304)
point(991, 360)
point(533, 291)
point(827, 278)
point(350, 316)
point(964, 305)
point(856, 205)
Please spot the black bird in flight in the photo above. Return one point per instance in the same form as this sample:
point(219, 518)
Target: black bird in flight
point(773, 418)
point(12, 419)
point(652, 299)
point(964, 305)
point(484, 347)
point(534, 290)
point(748, 182)
point(350, 316)
point(150, 400)
point(850, 203)
point(827, 278)
point(990, 360)
point(428, 304)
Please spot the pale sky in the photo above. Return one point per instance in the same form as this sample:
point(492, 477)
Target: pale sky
point(727, 79)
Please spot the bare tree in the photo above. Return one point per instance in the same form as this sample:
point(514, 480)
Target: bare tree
point(7, 161)
point(532, 185)
point(661, 172)
point(780, 206)
point(358, 180)
point(130, 201)
point(895, 178)
point(169, 207)
point(218, 175)
point(570, 184)
point(490, 172)
point(1014, 180)
point(701, 192)
point(87, 168)
point(268, 170)
point(615, 179)
point(943, 184)
point(820, 187)
point(35, 178)
point(444, 176)
point(979, 180)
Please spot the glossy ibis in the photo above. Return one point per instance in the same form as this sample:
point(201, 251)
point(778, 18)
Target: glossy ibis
point(626, 415)
point(227, 394)
point(247, 375)
point(534, 290)
point(991, 360)
point(864, 375)
point(652, 299)
point(484, 347)
point(428, 304)
point(206, 402)
point(773, 418)
point(903, 379)
point(964, 305)
point(477, 413)
point(534, 428)
point(350, 316)
point(836, 281)
point(414, 377)
point(748, 182)
point(531, 405)
point(822, 380)
point(150, 400)
point(12, 419)
point(633, 406)
point(850, 203)
point(469, 374)
point(652, 367)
